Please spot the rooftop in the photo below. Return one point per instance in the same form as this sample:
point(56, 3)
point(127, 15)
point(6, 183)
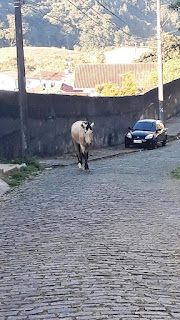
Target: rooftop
point(90, 75)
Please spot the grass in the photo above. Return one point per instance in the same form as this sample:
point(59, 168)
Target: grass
point(39, 59)
point(32, 168)
point(176, 173)
point(36, 59)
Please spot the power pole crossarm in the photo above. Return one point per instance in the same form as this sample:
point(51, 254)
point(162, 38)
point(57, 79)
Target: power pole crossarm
point(22, 95)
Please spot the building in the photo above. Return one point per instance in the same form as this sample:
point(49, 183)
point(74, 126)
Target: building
point(44, 82)
point(87, 76)
point(124, 55)
point(8, 80)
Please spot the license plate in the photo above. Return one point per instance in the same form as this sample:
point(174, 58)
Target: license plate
point(137, 141)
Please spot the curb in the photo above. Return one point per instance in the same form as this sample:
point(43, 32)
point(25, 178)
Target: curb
point(4, 187)
point(10, 168)
point(173, 138)
point(63, 163)
point(70, 162)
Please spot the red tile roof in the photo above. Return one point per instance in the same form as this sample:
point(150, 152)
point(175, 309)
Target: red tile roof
point(48, 75)
point(89, 75)
point(65, 87)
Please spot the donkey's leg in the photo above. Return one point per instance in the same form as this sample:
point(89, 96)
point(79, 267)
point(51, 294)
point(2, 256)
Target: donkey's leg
point(85, 155)
point(84, 152)
point(78, 153)
point(79, 157)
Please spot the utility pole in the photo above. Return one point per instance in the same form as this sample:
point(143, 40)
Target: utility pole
point(22, 95)
point(160, 64)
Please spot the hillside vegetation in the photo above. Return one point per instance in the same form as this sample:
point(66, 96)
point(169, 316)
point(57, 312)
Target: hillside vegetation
point(47, 59)
point(86, 24)
point(55, 59)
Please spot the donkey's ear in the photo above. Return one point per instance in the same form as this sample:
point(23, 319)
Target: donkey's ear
point(92, 124)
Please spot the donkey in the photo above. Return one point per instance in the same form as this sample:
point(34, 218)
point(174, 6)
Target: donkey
point(82, 137)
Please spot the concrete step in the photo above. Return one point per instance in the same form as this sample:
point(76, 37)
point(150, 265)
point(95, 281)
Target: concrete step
point(7, 169)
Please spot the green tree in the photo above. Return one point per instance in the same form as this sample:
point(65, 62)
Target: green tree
point(9, 32)
point(171, 71)
point(128, 88)
point(5, 12)
point(108, 90)
point(170, 49)
point(175, 6)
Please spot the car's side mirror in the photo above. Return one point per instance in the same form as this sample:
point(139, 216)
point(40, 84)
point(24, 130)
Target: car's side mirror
point(129, 128)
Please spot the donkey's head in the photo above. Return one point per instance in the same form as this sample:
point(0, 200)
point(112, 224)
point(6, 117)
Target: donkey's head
point(88, 132)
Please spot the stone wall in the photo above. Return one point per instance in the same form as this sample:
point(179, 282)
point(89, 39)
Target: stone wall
point(51, 116)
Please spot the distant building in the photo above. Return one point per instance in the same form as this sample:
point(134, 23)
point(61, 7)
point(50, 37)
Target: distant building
point(8, 80)
point(124, 55)
point(87, 76)
point(44, 81)
point(41, 82)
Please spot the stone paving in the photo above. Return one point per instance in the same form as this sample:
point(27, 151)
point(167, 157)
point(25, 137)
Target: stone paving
point(103, 244)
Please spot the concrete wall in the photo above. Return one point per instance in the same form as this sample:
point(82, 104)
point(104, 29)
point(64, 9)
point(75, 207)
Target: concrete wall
point(51, 116)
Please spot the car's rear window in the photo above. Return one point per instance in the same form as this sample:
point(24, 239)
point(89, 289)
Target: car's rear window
point(145, 126)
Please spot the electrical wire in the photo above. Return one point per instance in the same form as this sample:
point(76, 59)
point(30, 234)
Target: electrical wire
point(130, 35)
point(42, 16)
point(67, 23)
point(103, 17)
point(80, 29)
point(137, 38)
point(112, 13)
point(113, 23)
point(87, 15)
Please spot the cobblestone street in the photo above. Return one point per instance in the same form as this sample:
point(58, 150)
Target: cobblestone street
point(103, 244)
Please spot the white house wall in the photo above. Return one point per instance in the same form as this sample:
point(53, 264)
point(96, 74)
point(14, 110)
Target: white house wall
point(8, 83)
point(124, 55)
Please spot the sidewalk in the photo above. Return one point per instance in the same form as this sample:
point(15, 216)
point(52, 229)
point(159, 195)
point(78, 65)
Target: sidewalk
point(173, 125)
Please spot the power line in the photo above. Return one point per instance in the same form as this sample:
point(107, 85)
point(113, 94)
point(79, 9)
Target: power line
point(67, 23)
point(80, 29)
point(113, 23)
point(42, 16)
point(90, 19)
point(86, 14)
point(112, 13)
point(81, 12)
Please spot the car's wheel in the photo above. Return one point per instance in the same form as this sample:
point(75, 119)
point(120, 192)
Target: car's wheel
point(164, 141)
point(154, 146)
point(127, 144)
